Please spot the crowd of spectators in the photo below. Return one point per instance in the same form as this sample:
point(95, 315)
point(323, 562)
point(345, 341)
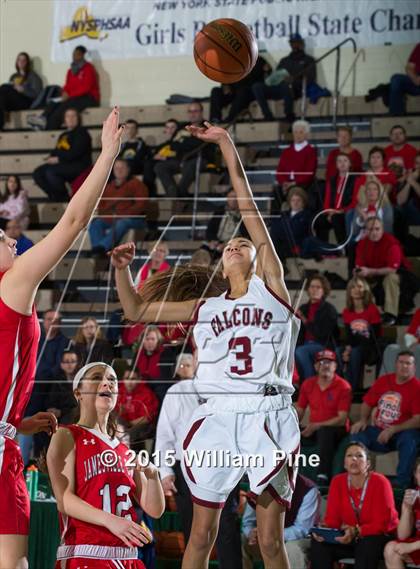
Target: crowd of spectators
point(366, 211)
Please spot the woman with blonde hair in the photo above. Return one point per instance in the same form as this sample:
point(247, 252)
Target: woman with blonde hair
point(90, 344)
point(362, 322)
point(372, 201)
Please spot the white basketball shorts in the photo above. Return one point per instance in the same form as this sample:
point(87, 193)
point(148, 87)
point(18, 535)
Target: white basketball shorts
point(230, 436)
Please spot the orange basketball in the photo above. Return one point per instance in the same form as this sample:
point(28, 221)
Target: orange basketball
point(225, 50)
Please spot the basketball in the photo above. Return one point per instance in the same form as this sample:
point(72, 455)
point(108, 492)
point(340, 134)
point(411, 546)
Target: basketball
point(225, 50)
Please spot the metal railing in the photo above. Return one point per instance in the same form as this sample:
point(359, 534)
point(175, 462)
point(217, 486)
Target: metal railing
point(337, 87)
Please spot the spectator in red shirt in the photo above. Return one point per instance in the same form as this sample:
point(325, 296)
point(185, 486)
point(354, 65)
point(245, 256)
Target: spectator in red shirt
point(137, 406)
point(411, 342)
point(344, 138)
point(408, 202)
point(361, 503)
point(121, 208)
point(81, 89)
point(407, 547)
point(402, 84)
point(396, 397)
point(362, 322)
point(328, 397)
point(298, 163)
point(378, 171)
point(319, 325)
point(399, 147)
point(154, 361)
point(378, 257)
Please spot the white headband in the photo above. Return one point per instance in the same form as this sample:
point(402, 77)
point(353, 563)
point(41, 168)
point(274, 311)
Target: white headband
point(80, 374)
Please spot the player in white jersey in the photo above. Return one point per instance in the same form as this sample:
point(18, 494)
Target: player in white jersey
point(245, 344)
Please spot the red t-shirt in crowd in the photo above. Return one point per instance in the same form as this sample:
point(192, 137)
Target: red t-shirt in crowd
point(325, 404)
point(312, 310)
point(297, 166)
point(395, 402)
point(378, 514)
point(148, 364)
point(141, 402)
point(414, 327)
point(407, 153)
point(386, 252)
point(384, 177)
point(85, 82)
point(359, 321)
point(355, 157)
point(415, 58)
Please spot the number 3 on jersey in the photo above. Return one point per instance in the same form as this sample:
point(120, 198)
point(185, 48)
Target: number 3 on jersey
point(122, 505)
point(243, 356)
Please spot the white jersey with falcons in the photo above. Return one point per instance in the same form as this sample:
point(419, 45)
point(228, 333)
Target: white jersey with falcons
point(245, 343)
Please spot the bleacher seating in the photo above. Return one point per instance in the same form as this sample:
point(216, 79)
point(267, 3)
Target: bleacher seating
point(259, 144)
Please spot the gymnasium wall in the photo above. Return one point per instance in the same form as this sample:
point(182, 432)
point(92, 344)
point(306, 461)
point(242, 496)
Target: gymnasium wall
point(25, 25)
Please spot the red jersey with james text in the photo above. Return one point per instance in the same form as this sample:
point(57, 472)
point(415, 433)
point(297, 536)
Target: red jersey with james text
point(108, 488)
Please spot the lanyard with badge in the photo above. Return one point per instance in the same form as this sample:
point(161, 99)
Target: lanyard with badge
point(357, 509)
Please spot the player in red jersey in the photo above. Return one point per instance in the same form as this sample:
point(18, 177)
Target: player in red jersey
point(19, 337)
point(95, 484)
point(407, 548)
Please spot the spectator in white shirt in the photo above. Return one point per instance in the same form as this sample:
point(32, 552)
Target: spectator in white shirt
point(180, 401)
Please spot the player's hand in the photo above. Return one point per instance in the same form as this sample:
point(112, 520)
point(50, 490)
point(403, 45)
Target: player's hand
point(150, 471)
point(253, 537)
point(42, 421)
point(168, 485)
point(209, 133)
point(129, 532)
point(111, 134)
point(358, 426)
point(123, 255)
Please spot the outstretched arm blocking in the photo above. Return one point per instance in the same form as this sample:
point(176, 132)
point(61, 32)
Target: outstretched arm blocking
point(269, 264)
point(21, 282)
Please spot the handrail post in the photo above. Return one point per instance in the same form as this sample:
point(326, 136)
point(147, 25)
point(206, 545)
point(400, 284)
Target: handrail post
point(195, 198)
point(303, 99)
point(336, 87)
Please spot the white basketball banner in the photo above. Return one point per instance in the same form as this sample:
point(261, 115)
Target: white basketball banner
point(121, 29)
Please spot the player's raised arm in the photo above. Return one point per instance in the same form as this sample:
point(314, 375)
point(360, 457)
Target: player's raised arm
point(20, 284)
point(134, 308)
point(269, 264)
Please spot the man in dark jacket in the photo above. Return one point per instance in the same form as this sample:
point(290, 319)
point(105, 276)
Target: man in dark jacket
point(239, 94)
point(319, 325)
point(134, 149)
point(71, 155)
point(186, 149)
point(290, 87)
